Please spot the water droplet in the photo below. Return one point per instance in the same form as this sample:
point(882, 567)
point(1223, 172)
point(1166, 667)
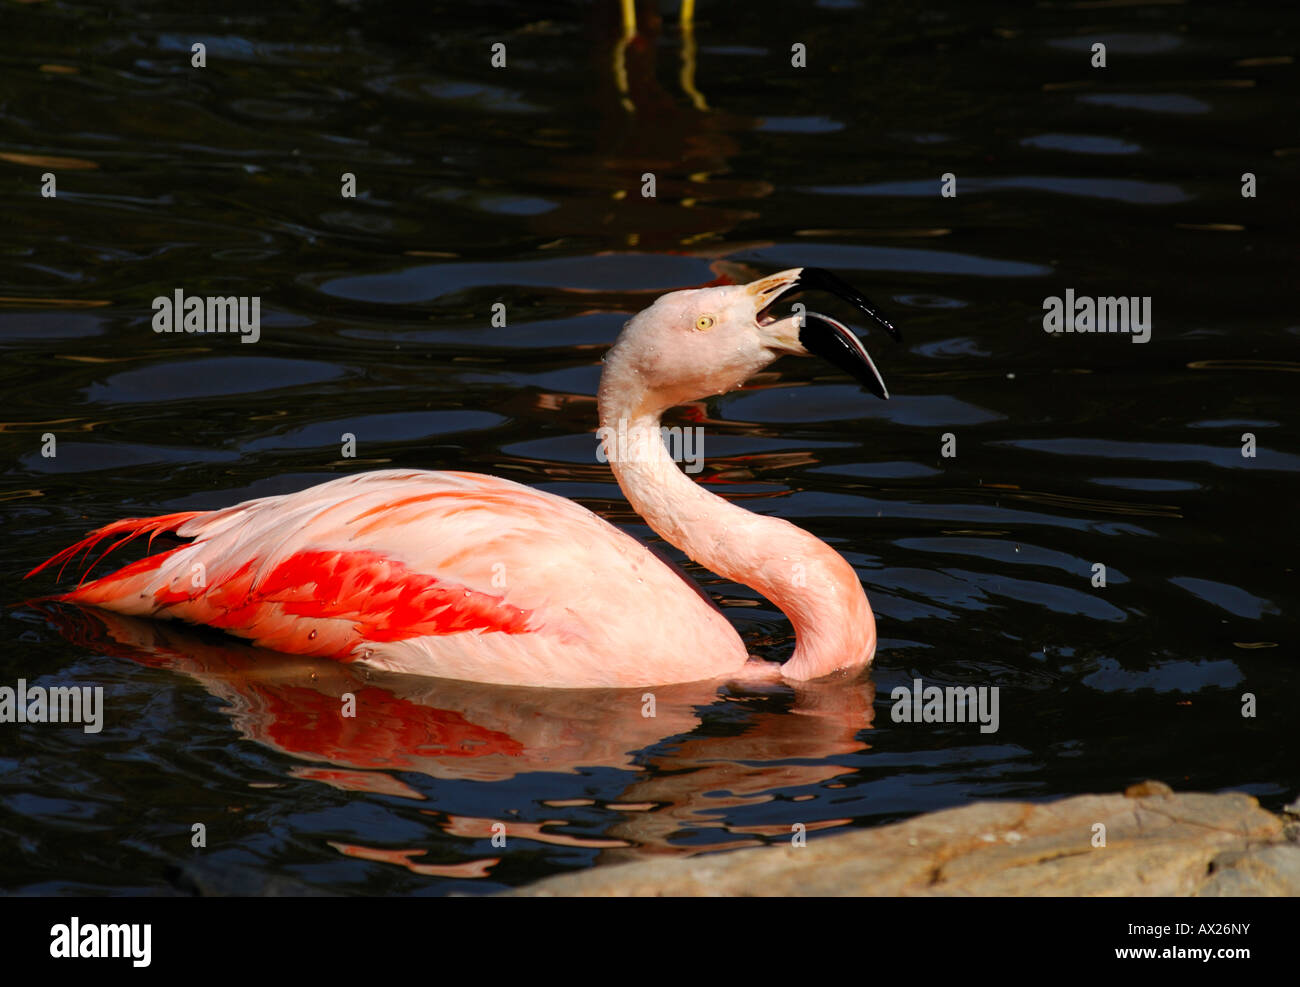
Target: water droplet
point(311, 636)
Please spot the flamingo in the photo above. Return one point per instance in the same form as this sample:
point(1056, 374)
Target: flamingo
point(466, 576)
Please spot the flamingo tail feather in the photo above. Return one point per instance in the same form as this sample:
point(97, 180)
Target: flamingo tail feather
point(128, 528)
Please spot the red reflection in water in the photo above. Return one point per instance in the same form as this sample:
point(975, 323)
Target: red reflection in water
point(463, 730)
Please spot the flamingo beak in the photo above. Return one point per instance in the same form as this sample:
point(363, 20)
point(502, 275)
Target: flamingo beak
point(814, 334)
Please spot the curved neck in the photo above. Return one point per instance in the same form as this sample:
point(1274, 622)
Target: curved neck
point(812, 584)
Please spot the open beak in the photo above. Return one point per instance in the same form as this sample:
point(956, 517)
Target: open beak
point(815, 334)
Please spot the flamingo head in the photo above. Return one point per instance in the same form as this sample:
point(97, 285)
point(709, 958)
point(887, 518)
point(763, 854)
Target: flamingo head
point(702, 341)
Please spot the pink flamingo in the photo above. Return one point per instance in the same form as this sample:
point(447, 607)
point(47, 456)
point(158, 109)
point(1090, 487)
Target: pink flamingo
point(466, 576)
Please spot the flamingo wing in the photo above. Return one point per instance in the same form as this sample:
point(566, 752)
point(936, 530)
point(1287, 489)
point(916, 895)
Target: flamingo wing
point(454, 574)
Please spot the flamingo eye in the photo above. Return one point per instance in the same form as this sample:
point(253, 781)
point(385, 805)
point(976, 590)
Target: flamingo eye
point(704, 323)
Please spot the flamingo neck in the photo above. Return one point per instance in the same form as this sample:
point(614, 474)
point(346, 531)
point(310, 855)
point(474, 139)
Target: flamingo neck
point(812, 584)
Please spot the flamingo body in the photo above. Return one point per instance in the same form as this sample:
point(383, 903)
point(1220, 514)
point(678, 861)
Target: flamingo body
point(457, 575)
point(464, 576)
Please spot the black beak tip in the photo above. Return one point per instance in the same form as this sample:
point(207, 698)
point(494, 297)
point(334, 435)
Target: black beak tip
point(836, 343)
point(820, 278)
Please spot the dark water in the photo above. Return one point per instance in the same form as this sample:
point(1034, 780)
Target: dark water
point(522, 185)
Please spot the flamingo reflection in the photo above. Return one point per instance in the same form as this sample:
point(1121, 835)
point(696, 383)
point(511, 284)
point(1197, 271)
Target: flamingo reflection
point(682, 778)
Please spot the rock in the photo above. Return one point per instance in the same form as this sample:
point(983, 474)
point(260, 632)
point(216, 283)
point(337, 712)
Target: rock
point(1272, 870)
point(1155, 843)
point(1144, 788)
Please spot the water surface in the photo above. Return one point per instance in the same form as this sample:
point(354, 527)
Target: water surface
point(522, 186)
